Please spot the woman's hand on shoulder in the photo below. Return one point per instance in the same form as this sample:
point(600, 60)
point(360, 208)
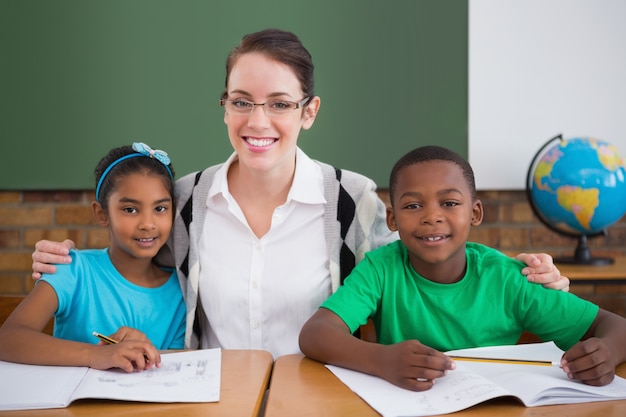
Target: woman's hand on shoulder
point(540, 269)
point(47, 253)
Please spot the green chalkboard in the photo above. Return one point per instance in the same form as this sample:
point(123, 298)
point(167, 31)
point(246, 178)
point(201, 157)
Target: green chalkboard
point(78, 77)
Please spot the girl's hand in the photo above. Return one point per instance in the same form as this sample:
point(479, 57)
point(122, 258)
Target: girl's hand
point(128, 355)
point(150, 354)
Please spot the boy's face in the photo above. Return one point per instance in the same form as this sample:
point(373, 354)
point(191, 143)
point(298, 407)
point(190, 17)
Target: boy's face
point(433, 211)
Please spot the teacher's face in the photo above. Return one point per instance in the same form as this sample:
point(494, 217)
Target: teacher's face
point(265, 142)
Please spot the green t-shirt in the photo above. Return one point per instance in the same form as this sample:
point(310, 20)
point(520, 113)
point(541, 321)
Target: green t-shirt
point(491, 305)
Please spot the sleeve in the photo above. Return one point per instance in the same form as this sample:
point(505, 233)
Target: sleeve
point(65, 283)
point(371, 205)
point(554, 315)
point(359, 296)
point(183, 190)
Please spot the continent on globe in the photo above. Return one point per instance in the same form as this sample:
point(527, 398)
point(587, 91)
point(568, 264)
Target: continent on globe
point(578, 186)
point(580, 202)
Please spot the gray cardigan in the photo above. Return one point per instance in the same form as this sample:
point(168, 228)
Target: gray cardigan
point(354, 223)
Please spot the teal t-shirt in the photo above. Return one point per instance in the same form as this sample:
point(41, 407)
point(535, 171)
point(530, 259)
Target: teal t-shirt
point(491, 305)
point(94, 296)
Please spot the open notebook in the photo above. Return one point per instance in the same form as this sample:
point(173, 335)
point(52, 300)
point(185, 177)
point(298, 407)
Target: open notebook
point(474, 382)
point(189, 376)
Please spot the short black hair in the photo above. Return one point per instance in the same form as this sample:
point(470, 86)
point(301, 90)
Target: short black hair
point(432, 153)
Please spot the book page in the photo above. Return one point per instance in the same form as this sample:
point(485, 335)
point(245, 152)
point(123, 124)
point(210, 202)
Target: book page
point(544, 385)
point(474, 382)
point(538, 385)
point(459, 390)
point(533, 351)
point(189, 376)
point(33, 386)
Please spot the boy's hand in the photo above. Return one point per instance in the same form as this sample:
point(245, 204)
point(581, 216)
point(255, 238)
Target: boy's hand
point(541, 269)
point(413, 366)
point(589, 361)
point(47, 253)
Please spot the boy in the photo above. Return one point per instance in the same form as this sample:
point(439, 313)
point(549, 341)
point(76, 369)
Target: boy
point(432, 291)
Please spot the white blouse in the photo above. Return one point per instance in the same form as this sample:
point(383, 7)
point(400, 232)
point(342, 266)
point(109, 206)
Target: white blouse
point(257, 293)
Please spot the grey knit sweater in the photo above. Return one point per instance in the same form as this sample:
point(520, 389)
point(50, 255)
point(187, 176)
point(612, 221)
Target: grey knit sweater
point(354, 222)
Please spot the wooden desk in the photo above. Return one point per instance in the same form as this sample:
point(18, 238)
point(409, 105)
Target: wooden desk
point(303, 387)
point(245, 376)
point(613, 273)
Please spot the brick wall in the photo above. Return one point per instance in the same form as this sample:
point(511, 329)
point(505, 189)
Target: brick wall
point(509, 225)
point(26, 217)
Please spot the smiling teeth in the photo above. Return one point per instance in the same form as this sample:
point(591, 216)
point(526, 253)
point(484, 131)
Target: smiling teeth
point(433, 239)
point(260, 142)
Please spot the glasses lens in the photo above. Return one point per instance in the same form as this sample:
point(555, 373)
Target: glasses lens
point(271, 108)
point(238, 106)
point(279, 107)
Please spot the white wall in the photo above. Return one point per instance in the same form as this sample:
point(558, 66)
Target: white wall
point(538, 68)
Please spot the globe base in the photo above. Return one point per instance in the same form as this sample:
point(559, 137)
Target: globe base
point(582, 256)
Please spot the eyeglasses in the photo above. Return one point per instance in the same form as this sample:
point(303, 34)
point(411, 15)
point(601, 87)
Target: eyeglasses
point(272, 108)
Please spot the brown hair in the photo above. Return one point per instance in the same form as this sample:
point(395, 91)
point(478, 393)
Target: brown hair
point(278, 45)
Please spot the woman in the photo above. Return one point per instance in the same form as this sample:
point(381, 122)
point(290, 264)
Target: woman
point(262, 239)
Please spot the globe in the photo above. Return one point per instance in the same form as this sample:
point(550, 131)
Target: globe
point(577, 188)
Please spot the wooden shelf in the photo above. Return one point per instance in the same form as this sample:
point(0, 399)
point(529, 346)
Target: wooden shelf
point(613, 272)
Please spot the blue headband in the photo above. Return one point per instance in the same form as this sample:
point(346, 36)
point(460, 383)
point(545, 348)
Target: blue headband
point(141, 150)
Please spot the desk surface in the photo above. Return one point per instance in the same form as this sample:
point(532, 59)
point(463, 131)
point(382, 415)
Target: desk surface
point(245, 376)
point(614, 271)
point(306, 388)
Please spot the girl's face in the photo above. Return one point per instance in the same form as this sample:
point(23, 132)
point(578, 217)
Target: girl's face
point(139, 218)
point(433, 212)
point(266, 143)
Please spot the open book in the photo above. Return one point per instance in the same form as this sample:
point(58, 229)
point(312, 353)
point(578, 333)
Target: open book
point(189, 376)
point(474, 382)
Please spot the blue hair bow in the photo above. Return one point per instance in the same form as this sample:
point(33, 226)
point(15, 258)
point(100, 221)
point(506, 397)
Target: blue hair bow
point(157, 154)
point(142, 150)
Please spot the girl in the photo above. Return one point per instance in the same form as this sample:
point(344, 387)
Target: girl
point(119, 290)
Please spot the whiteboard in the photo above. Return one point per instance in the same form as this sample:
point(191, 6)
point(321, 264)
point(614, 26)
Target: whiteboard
point(539, 68)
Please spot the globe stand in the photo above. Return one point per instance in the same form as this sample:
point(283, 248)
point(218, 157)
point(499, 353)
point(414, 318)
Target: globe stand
point(582, 256)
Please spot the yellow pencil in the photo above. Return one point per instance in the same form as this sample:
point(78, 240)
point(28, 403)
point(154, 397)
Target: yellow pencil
point(507, 361)
point(112, 341)
point(104, 338)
